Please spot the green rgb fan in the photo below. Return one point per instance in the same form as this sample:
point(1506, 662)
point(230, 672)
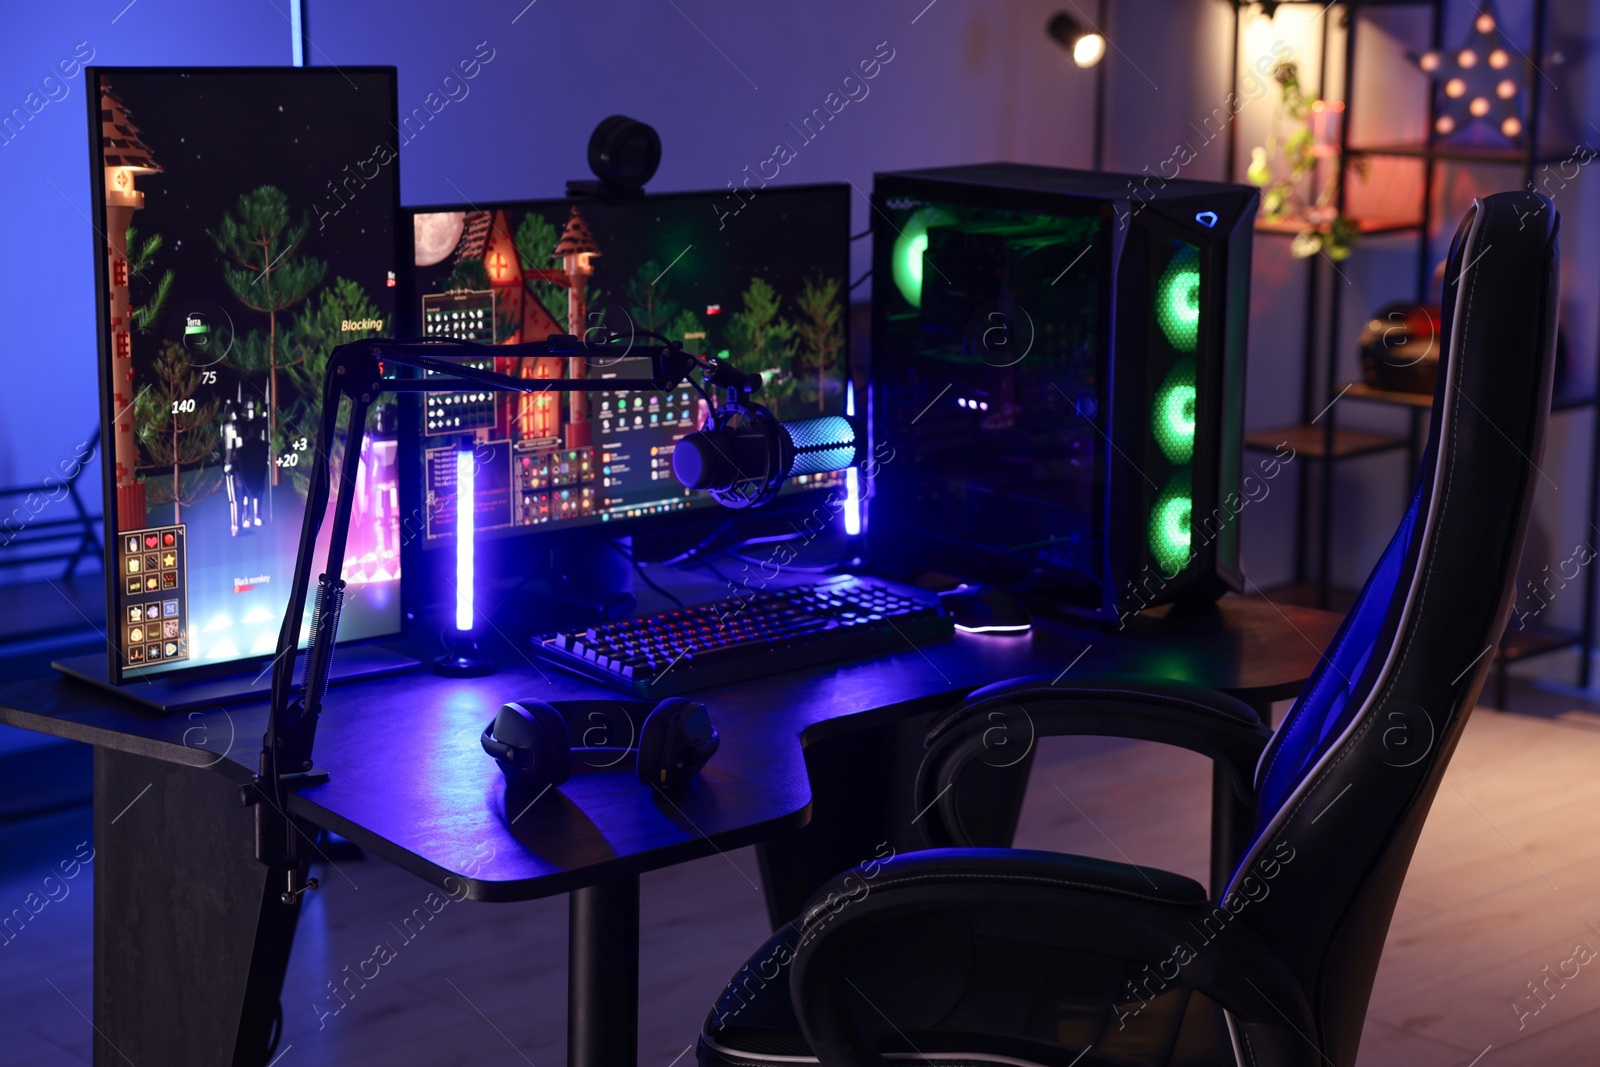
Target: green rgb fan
point(1178, 300)
point(1170, 535)
point(1172, 414)
point(909, 247)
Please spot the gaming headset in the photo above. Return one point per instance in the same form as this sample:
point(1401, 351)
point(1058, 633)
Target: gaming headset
point(535, 743)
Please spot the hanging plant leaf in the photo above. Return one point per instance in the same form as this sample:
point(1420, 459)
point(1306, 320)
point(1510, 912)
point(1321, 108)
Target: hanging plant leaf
point(1260, 171)
point(1341, 239)
point(1306, 244)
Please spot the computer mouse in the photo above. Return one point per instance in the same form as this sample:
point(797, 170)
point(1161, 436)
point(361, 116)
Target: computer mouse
point(986, 609)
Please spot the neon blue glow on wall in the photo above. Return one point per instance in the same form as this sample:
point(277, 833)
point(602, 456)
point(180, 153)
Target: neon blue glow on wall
point(298, 31)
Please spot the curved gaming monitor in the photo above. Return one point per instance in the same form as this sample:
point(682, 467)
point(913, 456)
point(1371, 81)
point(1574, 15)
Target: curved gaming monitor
point(764, 286)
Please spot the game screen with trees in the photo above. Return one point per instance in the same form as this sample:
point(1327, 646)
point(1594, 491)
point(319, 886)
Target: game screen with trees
point(248, 219)
point(757, 277)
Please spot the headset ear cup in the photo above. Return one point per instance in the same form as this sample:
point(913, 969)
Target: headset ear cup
point(537, 734)
point(676, 741)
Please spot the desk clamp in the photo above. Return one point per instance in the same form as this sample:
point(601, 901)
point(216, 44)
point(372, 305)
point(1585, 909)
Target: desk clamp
point(275, 833)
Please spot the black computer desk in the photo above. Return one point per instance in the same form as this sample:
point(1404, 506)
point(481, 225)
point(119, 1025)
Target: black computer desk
point(191, 940)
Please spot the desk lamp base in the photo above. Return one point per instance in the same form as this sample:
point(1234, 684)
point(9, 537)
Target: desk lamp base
point(463, 658)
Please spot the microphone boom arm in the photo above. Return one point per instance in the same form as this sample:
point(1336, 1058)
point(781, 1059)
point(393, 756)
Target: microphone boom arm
point(355, 372)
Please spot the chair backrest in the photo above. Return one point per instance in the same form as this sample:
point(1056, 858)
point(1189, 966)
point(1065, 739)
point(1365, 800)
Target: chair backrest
point(1345, 785)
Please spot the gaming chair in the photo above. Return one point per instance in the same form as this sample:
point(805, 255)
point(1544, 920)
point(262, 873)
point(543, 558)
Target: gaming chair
point(965, 955)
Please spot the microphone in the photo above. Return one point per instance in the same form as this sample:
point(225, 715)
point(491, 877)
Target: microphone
point(745, 465)
point(725, 374)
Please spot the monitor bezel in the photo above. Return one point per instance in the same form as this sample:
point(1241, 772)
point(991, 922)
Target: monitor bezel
point(117, 674)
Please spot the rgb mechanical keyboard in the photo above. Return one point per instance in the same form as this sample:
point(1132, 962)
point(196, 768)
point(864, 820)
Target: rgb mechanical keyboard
point(739, 638)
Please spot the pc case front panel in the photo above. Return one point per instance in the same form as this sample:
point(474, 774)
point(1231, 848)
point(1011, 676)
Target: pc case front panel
point(1179, 385)
point(1162, 396)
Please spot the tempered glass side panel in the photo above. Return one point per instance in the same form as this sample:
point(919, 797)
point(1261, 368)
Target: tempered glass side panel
point(989, 385)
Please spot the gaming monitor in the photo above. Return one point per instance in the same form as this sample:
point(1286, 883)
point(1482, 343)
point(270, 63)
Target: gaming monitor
point(764, 286)
point(1058, 367)
point(249, 227)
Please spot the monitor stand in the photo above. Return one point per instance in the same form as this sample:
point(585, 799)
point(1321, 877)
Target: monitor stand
point(575, 584)
point(178, 692)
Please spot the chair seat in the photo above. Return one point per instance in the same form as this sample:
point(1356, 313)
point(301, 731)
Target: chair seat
point(959, 986)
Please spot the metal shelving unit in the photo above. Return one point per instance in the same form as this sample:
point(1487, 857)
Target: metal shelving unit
point(1325, 443)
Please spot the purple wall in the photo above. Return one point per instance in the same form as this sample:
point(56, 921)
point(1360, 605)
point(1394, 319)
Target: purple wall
point(47, 341)
point(722, 81)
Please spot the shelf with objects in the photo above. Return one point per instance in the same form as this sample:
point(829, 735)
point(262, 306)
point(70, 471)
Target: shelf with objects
point(1488, 107)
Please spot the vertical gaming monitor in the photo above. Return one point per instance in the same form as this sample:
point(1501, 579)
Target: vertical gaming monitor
point(249, 227)
point(1058, 367)
point(760, 280)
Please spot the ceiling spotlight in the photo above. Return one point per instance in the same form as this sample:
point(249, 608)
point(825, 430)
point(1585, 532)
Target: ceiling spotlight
point(1498, 59)
point(1506, 89)
point(1087, 46)
point(1089, 50)
point(1444, 124)
point(1468, 59)
point(1455, 87)
point(1512, 126)
point(1429, 61)
point(1479, 106)
point(1485, 23)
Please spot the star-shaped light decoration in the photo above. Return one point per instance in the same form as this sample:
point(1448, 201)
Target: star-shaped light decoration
point(1481, 80)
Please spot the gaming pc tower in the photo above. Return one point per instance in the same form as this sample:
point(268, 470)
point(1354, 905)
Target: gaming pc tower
point(1057, 382)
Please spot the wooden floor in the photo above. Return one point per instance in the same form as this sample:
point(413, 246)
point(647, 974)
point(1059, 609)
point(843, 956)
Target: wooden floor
point(1506, 881)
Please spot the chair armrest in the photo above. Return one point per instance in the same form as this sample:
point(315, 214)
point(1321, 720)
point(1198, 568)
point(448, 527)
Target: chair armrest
point(1018, 712)
point(1088, 905)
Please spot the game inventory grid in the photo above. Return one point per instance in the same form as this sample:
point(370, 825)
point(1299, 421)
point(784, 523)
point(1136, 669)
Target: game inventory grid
point(519, 486)
point(464, 316)
point(536, 479)
point(153, 610)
